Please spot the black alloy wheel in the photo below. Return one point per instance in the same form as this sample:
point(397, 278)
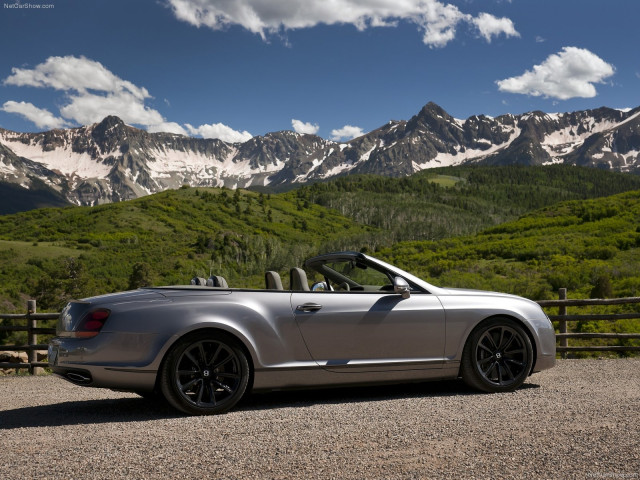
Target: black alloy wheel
point(498, 356)
point(205, 375)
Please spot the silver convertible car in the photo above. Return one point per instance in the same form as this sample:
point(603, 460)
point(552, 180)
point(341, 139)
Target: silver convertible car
point(364, 321)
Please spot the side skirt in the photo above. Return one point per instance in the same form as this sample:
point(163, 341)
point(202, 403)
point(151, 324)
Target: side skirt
point(307, 376)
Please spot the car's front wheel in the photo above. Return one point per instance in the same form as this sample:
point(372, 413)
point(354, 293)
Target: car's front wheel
point(497, 357)
point(205, 374)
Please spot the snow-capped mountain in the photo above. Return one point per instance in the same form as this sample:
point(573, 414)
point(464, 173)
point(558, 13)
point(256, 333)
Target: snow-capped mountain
point(110, 161)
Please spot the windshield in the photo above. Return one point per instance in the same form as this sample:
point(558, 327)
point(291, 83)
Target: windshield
point(356, 275)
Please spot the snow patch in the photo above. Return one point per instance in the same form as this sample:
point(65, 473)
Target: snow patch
point(164, 163)
point(365, 156)
point(564, 141)
point(62, 159)
point(343, 167)
point(447, 159)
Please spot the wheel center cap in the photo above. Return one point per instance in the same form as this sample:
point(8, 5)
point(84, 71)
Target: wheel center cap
point(206, 373)
point(498, 356)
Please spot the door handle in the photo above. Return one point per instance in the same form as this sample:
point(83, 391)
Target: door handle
point(309, 307)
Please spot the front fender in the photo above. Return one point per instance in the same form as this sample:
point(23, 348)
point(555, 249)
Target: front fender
point(464, 313)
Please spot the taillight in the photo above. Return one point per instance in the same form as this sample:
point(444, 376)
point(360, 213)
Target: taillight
point(91, 323)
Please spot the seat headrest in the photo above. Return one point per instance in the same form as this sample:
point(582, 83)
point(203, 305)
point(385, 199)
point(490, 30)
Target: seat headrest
point(298, 280)
point(272, 281)
point(217, 281)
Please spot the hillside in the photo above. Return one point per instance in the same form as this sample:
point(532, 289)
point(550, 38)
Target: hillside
point(591, 247)
point(446, 202)
point(166, 238)
point(15, 198)
point(58, 253)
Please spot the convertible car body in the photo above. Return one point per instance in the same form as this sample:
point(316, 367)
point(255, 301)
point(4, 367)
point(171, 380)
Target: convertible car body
point(364, 321)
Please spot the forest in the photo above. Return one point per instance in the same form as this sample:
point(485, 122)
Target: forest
point(522, 230)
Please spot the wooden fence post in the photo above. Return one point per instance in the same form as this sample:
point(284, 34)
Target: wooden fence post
point(32, 337)
point(562, 310)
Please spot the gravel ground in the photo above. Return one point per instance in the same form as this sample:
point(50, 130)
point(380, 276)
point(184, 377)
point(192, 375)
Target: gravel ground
point(578, 420)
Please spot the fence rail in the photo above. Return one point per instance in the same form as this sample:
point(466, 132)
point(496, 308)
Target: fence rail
point(562, 318)
point(33, 331)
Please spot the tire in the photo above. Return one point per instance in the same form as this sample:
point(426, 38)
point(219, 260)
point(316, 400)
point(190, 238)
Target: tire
point(205, 374)
point(497, 357)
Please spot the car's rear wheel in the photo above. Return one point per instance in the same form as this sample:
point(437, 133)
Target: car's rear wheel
point(497, 357)
point(205, 374)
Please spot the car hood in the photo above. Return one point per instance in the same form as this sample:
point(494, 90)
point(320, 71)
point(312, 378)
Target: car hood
point(476, 293)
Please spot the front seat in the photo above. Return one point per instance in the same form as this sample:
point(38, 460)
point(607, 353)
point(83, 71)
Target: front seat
point(298, 280)
point(272, 279)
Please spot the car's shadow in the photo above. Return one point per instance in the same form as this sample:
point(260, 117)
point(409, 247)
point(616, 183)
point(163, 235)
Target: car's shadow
point(137, 409)
point(326, 396)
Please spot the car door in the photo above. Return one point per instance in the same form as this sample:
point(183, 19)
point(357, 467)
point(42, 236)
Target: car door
point(371, 331)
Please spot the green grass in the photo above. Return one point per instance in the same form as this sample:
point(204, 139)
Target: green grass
point(23, 251)
point(446, 180)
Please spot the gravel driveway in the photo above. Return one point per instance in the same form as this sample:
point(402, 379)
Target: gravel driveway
point(578, 420)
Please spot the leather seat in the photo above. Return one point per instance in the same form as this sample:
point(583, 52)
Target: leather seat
point(217, 281)
point(298, 280)
point(272, 279)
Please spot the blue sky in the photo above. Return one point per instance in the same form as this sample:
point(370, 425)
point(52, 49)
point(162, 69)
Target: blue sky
point(236, 69)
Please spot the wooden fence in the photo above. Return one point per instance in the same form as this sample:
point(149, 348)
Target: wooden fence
point(562, 336)
point(562, 318)
point(33, 331)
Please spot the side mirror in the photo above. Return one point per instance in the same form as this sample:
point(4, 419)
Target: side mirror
point(319, 287)
point(402, 287)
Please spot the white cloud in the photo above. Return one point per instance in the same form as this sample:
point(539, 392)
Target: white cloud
point(86, 108)
point(304, 127)
point(41, 117)
point(218, 130)
point(92, 93)
point(438, 20)
point(97, 92)
point(73, 73)
point(490, 26)
point(167, 127)
point(563, 75)
point(439, 23)
point(346, 133)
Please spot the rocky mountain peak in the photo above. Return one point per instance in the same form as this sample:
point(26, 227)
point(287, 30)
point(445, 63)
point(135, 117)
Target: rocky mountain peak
point(110, 161)
point(110, 126)
point(434, 110)
point(109, 135)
